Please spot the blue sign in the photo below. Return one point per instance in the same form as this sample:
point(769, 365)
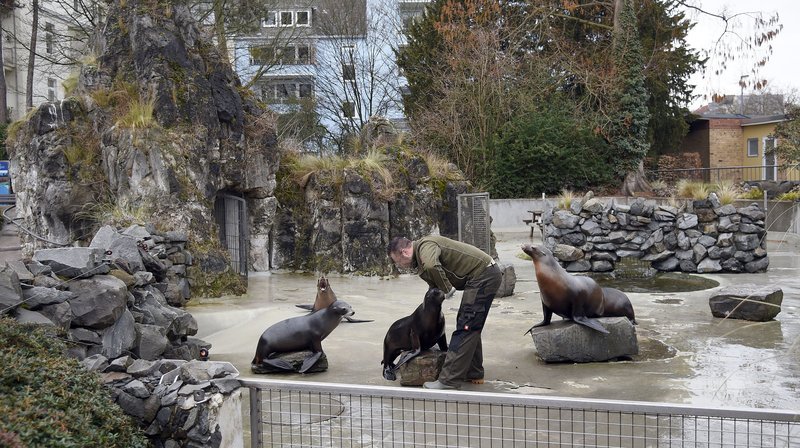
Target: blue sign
point(3, 168)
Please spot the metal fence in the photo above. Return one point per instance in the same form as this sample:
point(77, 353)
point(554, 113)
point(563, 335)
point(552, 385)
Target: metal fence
point(310, 414)
point(230, 214)
point(734, 174)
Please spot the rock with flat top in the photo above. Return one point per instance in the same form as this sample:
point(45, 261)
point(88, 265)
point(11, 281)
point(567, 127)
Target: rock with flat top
point(758, 303)
point(566, 341)
point(422, 368)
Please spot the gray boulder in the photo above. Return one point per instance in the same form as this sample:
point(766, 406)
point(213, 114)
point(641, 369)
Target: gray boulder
point(73, 262)
point(151, 341)
point(99, 301)
point(119, 338)
point(22, 271)
point(758, 303)
point(10, 290)
point(425, 367)
point(38, 296)
point(508, 282)
point(566, 341)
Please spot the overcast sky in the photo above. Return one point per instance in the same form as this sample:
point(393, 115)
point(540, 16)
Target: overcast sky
point(783, 69)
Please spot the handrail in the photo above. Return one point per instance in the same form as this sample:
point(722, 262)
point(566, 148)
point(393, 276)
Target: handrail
point(29, 232)
point(589, 404)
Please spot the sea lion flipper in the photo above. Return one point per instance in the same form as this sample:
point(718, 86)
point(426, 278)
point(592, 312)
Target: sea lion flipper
point(591, 323)
point(309, 362)
point(278, 363)
point(355, 321)
point(407, 356)
point(388, 373)
point(306, 306)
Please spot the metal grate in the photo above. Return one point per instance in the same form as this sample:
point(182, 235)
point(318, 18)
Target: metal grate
point(473, 220)
point(230, 214)
point(293, 413)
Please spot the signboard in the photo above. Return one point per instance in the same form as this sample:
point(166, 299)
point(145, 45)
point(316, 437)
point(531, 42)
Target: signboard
point(3, 168)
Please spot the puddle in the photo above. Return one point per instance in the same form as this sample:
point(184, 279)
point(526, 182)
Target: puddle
point(660, 282)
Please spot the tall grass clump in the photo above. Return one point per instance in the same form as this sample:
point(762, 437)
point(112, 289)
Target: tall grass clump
point(564, 199)
point(692, 189)
point(726, 192)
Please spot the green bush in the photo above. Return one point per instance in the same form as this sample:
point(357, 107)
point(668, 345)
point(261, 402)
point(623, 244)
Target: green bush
point(549, 152)
point(49, 400)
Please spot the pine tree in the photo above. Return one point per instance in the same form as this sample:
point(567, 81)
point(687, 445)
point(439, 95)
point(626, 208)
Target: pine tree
point(628, 129)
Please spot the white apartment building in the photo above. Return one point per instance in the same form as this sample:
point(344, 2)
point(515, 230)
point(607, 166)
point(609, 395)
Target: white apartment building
point(60, 42)
point(338, 53)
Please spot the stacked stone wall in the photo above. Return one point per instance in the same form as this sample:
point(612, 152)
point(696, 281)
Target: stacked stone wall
point(702, 236)
point(119, 301)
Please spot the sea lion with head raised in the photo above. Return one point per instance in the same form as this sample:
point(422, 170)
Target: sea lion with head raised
point(574, 297)
point(415, 333)
point(300, 333)
point(326, 296)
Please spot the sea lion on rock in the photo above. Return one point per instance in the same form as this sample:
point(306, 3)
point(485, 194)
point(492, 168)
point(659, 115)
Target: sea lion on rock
point(300, 333)
point(326, 296)
point(574, 297)
point(415, 333)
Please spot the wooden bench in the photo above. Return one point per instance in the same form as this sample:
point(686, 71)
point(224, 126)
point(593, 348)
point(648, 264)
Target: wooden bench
point(535, 221)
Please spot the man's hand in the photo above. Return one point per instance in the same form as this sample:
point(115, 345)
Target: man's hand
point(450, 293)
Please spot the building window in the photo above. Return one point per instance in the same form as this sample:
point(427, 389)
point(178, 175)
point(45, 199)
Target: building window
point(286, 18)
point(270, 20)
point(303, 54)
point(348, 71)
point(48, 37)
point(303, 18)
point(752, 147)
point(284, 90)
point(305, 90)
point(262, 55)
point(51, 90)
point(769, 145)
point(348, 63)
point(348, 109)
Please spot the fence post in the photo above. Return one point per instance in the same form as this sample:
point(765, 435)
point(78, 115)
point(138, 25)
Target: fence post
point(256, 437)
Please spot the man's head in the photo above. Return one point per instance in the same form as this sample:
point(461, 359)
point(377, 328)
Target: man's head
point(401, 251)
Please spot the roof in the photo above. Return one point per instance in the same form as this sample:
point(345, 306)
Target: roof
point(766, 119)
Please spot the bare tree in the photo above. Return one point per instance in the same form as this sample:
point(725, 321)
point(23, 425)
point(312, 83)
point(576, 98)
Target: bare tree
point(32, 54)
point(358, 76)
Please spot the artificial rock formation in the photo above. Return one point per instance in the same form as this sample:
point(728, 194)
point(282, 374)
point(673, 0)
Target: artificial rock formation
point(342, 221)
point(709, 237)
point(158, 127)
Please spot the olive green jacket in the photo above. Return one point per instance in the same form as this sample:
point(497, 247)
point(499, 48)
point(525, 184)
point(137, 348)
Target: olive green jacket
point(444, 263)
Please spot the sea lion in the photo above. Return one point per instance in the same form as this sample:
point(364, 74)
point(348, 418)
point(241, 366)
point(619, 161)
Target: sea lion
point(574, 297)
point(417, 332)
point(300, 333)
point(617, 303)
point(326, 296)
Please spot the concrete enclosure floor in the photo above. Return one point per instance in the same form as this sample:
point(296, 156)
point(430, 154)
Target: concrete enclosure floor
point(686, 355)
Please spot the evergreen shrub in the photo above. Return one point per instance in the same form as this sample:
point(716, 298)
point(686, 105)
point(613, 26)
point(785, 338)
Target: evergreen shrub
point(547, 152)
point(50, 400)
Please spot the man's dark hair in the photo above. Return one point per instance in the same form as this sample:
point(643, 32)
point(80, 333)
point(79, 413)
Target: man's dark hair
point(397, 244)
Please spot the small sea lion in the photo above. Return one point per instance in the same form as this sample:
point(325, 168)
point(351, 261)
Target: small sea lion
point(300, 333)
point(326, 296)
point(574, 297)
point(415, 333)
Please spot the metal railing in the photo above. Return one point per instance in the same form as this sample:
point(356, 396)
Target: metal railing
point(311, 414)
point(732, 173)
